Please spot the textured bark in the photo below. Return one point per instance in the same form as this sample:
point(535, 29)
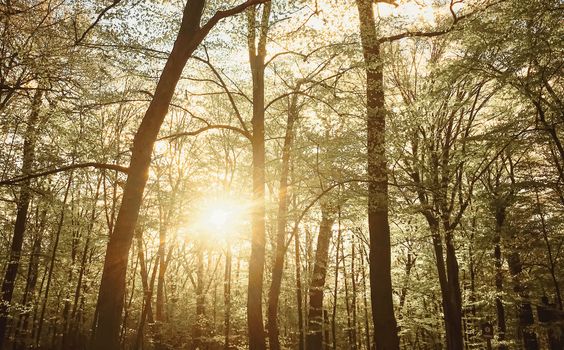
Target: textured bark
point(13, 265)
point(112, 287)
point(336, 284)
point(280, 249)
point(501, 324)
point(299, 297)
point(314, 339)
point(385, 325)
point(32, 275)
point(525, 310)
point(455, 339)
point(257, 53)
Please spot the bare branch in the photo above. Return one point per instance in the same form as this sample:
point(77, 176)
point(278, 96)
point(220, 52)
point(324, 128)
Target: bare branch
point(98, 18)
point(22, 178)
point(206, 128)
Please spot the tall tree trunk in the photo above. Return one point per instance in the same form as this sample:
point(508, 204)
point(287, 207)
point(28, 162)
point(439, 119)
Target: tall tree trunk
point(299, 297)
point(200, 321)
point(385, 325)
point(280, 249)
point(257, 53)
point(52, 263)
point(443, 279)
point(525, 310)
point(28, 157)
point(112, 286)
point(501, 325)
point(357, 339)
point(227, 297)
point(350, 332)
point(32, 275)
point(365, 301)
point(336, 284)
point(314, 336)
point(456, 337)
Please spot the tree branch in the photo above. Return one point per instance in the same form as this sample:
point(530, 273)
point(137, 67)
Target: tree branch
point(206, 128)
point(22, 178)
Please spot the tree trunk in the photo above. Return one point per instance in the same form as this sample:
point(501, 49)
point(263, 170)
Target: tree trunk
point(314, 336)
point(32, 275)
point(52, 263)
point(280, 249)
point(525, 310)
point(112, 286)
point(257, 53)
point(455, 339)
point(501, 325)
point(336, 285)
point(13, 265)
point(299, 297)
point(227, 296)
point(357, 339)
point(200, 321)
point(385, 325)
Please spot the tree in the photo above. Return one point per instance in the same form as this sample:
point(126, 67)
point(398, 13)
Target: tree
point(112, 286)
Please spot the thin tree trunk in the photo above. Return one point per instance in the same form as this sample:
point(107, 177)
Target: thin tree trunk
point(347, 305)
point(299, 297)
point(31, 281)
point(386, 334)
point(365, 301)
point(52, 263)
point(357, 339)
point(525, 310)
point(199, 325)
point(280, 249)
point(551, 266)
point(336, 284)
point(146, 312)
point(501, 325)
point(257, 53)
point(227, 297)
point(11, 273)
point(314, 336)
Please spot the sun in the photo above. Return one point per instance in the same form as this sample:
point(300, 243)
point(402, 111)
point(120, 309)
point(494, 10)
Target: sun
point(220, 217)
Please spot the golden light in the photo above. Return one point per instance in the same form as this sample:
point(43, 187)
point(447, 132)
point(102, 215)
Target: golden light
point(220, 217)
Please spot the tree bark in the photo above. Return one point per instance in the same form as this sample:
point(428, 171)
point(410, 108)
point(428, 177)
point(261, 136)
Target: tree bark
point(112, 286)
point(501, 325)
point(525, 310)
point(280, 249)
point(385, 325)
point(299, 297)
point(52, 263)
point(11, 273)
point(257, 53)
point(314, 338)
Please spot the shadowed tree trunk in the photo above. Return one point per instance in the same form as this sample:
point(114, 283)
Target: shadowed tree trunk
point(13, 265)
point(227, 296)
point(314, 337)
point(257, 53)
point(112, 286)
point(280, 250)
point(299, 297)
point(525, 310)
point(501, 325)
point(385, 325)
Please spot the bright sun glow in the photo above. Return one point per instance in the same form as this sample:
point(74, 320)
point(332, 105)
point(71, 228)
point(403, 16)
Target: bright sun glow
point(220, 217)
